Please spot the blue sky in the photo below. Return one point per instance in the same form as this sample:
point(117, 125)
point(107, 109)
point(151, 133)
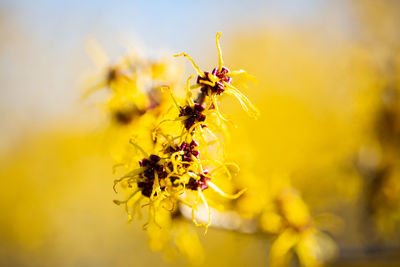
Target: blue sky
point(158, 24)
point(43, 52)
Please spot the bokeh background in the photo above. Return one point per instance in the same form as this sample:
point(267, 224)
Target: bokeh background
point(328, 93)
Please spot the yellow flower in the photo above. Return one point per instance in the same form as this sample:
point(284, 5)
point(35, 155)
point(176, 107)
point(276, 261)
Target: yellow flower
point(218, 82)
point(297, 233)
point(177, 140)
point(176, 172)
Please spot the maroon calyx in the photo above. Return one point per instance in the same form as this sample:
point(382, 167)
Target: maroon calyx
point(189, 150)
point(201, 183)
point(153, 166)
point(194, 114)
point(219, 86)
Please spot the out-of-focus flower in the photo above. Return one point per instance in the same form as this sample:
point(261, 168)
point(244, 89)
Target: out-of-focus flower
point(289, 218)
point(135, 99)
point(379, 158)
point(384, 176)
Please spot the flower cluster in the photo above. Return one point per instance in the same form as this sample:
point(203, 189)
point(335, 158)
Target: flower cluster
point(176, 172)
point(169, 146)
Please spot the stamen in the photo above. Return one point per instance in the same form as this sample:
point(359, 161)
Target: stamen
point(242, 72)
point(244, 101)
point(138, 147)
point(214, 101)
point(156, 186)
point(172, 95)
point(222, 193)
point(212, 78)
point(220, 60)
point(223, 166)
point(212, 84)
point(130, 174)
point(195, 86)
point(207, 207)
point(199, 72)
point(114, 168)
point(193, 127)
point(194, 208)
point(125, 202)
point(170, 202)
point(118, 202)
point(188, 92)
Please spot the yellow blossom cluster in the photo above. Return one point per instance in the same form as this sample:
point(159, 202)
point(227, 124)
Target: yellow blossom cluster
point(186, 150)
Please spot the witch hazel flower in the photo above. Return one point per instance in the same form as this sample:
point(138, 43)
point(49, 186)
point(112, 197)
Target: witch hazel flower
point(219, 81)
point(176, 171)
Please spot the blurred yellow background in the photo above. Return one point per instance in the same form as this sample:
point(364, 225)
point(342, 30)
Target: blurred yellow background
point(329, 130)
